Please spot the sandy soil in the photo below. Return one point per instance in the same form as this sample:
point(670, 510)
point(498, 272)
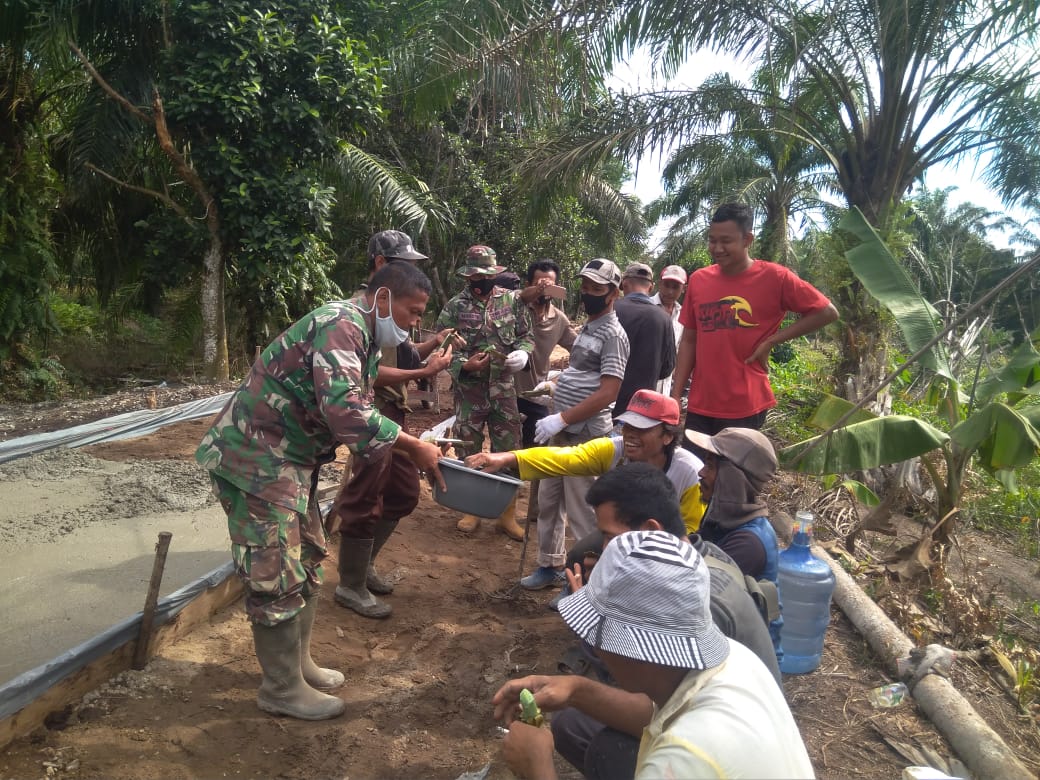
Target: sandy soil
point(418, 684)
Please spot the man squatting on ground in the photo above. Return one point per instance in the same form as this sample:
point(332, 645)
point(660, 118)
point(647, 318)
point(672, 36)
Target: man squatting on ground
point(376, 494)
point(581, 402)
point(703, 705)
point(731, 316)
point(496, 328)
point(309, 391)
point(639, 497)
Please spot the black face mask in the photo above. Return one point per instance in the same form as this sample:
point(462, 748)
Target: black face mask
point(482, 286)
point(594, 304)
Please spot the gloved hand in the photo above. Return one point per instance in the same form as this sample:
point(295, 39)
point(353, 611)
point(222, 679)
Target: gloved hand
point(515, 361)
point(544, 387)
point(548, 427)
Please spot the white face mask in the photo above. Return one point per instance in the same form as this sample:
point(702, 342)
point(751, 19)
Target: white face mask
point(388, 333)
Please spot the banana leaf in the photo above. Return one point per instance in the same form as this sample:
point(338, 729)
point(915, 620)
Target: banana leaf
point(1003, 439)
point(832, 408)
point(865, 445)
point(890, 284)
point(1019, 378)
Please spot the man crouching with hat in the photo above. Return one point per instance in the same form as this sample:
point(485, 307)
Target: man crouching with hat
point(706, 706)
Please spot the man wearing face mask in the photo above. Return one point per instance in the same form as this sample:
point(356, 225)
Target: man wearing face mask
point(495, 326)
point(582, 402)
point(308, 392)
point(376, 496)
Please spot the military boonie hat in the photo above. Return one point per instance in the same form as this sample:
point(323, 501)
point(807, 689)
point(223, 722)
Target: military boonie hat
point(393, 245)
point(601, 271)
point(639, 271)
point(480, 261)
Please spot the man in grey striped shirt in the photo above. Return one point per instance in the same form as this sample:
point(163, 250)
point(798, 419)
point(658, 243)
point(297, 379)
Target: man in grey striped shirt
point(583, 399)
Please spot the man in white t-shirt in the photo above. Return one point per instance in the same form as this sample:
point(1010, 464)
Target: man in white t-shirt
point(669, 290)
point(705, 705)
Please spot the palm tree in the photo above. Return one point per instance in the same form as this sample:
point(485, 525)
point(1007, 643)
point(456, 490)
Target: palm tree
point(760, 161)
point(899, 86)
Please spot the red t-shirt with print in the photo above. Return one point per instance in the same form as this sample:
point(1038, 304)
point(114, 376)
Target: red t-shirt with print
point(732, 315)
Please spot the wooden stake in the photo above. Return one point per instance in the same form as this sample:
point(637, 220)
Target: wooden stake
point(148, 614)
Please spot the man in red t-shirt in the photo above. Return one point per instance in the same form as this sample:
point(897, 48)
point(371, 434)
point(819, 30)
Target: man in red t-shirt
point(731, 320)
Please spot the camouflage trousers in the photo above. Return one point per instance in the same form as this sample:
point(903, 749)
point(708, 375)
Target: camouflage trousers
point(493, 405)
point(277, 552)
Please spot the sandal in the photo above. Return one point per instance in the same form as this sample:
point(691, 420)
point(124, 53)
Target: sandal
point(574, 661)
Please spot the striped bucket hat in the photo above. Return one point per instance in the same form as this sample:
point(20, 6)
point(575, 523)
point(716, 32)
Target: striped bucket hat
point(647, 599)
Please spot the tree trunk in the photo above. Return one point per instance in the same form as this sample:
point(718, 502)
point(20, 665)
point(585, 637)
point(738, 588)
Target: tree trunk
point(976, 744)
point(214, 330)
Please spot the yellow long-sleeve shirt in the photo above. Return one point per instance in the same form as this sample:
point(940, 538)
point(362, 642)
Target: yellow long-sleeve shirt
point(598, 456)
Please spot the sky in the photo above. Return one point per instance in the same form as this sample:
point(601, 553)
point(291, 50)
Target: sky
point(634, 76)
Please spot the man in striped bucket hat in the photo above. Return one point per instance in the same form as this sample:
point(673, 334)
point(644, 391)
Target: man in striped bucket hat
point(705, 705)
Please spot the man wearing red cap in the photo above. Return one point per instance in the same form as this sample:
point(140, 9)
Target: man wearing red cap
point(650, 434)
point(670, 288)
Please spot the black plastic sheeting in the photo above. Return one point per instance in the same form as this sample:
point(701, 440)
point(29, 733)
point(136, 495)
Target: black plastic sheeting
point(26, 688)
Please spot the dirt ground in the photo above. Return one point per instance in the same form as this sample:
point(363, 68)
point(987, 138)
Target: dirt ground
point(419, 684)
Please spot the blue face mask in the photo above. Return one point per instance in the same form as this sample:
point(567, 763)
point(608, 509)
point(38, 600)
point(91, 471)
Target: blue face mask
point(388, 333)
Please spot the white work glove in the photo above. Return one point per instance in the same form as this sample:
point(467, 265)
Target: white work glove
point(544, 387)
point(548, 427)
point(515, 361)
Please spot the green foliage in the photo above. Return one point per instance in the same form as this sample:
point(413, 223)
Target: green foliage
point(798, 384)
point(27, 265)
point(261, 95)
point(1001, 431)
point(28, 376)
point(75, 319)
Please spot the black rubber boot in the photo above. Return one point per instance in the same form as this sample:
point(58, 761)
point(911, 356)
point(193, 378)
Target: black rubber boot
point(353, 593)
point(375, 583)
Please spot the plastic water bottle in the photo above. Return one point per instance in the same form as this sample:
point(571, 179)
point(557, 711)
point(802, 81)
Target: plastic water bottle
point(806, 584)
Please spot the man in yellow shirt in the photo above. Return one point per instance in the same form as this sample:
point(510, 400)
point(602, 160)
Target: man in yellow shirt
point(649, 434)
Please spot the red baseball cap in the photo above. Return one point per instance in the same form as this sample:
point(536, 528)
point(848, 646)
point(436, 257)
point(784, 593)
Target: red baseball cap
point(647, 409)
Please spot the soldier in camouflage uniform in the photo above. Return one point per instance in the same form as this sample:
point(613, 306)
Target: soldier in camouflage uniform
point(310, 390)
point(496, 327)
point(376, 496)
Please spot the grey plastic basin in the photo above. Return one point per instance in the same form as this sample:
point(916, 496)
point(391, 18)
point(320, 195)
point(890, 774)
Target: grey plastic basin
point(474, 492)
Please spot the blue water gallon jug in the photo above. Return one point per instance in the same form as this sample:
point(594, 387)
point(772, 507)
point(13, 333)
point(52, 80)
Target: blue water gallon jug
point(806, 584)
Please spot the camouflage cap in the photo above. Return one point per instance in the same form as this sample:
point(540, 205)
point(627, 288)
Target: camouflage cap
point(480, 261)
point(393, 245)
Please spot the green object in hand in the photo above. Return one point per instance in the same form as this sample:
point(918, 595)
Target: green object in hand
point(529, 710)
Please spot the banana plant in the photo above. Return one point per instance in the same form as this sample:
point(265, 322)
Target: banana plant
point(999, 428)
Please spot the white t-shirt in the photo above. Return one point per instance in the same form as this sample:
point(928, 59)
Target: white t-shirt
point(727, 722)
point(664, 386)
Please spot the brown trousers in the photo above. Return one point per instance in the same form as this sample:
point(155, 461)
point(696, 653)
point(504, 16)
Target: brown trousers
point(386, 490)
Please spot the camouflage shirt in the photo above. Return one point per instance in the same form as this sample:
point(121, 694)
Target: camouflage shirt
point(310, 390)
point(502, 324)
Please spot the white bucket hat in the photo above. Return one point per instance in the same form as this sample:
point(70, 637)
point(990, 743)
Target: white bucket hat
point(647, 599)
